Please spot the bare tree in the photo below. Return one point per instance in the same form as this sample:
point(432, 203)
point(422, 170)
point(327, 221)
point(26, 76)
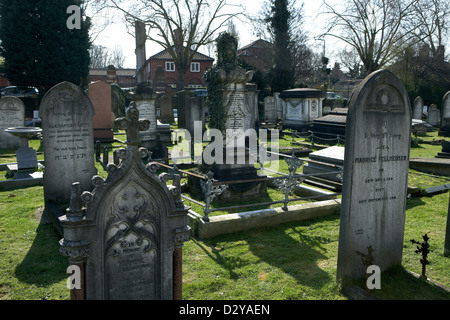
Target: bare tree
point(116, 57)
point(430, 23)
point(179, 26)
point(376, 29)
point(101, 57)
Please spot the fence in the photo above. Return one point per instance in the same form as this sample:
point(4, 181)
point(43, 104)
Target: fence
point(287, 183)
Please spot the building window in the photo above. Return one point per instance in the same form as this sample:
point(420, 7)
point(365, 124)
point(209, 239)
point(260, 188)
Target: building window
point(170, 66)
point(195, 67)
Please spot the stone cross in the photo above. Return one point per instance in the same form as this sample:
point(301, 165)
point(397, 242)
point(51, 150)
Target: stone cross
point(132, 125)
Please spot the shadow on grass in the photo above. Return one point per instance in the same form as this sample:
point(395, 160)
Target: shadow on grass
point(43, 265)
point(283, 247)
point(398, 284)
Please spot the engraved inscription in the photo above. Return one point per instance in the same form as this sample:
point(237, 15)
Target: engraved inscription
point(131, 245)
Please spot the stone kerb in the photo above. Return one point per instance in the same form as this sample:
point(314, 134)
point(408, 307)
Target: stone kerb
point(375, 175)
point(127, 236)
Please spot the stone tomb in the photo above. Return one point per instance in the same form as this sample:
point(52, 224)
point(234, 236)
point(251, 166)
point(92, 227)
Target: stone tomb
point(329, 160)
point(127, 238)
point(68, 139)
point(12, 114)
point(101, 97)
point(302, 107)
point(375, 175)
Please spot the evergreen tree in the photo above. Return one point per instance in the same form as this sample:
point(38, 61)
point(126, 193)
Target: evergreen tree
point(39, 48)
point(283, 72)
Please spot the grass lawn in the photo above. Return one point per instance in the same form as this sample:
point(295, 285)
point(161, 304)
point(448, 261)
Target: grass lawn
point(294, 261)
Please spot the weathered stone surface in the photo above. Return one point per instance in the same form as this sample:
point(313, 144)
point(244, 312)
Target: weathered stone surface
point(130, 227)
point(375, 174)
point(68, 139)
point(12, 114)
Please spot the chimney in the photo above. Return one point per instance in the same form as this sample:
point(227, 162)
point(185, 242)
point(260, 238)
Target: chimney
point(111, 74)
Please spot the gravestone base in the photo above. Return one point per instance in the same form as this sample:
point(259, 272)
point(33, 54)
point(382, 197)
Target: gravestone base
point(240, 191)
point(156, 147)
point(444, 133)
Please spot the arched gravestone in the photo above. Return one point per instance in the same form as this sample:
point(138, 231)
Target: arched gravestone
point(68, 139)
point(127, 239)
point(12, 114)
point(377, 146)
point(417, 108)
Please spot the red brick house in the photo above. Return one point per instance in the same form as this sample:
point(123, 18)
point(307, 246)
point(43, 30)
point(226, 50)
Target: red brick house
point(162, 73)
point(125, 78)
point(258, 54)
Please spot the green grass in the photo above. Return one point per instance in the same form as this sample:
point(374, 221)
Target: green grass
point(290, 261)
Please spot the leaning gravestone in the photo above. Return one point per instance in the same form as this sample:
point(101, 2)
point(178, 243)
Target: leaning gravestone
point(68, 140)
point(376, 165)
point(12, 114)
point(127, 238)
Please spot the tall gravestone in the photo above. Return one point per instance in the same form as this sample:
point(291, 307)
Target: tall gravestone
point(68, 139)
point(376, 165)
point(445, 116)
point(238, 110)
point(126, 236)
point(417, 108)
point(100, 95)
point(12, 114)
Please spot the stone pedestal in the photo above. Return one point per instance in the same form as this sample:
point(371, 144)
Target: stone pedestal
point(145, 99)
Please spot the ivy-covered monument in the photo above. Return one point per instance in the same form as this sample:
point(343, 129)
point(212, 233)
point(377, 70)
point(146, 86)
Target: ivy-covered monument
point(233, 111)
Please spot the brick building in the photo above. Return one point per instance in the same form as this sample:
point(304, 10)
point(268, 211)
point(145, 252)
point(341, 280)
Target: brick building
point(125, 78)
point(258, 54)
point(162, 73)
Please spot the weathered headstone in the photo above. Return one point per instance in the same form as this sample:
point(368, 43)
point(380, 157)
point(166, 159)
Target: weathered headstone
point(377, 146)
point(417, 108)
point(270, 111)
point(100, 96)
point(279, 105)
point(434, 115)
point(12, 114)
point(166, 110)
point(445, 116)
point(127, 240)
point(68, 139)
